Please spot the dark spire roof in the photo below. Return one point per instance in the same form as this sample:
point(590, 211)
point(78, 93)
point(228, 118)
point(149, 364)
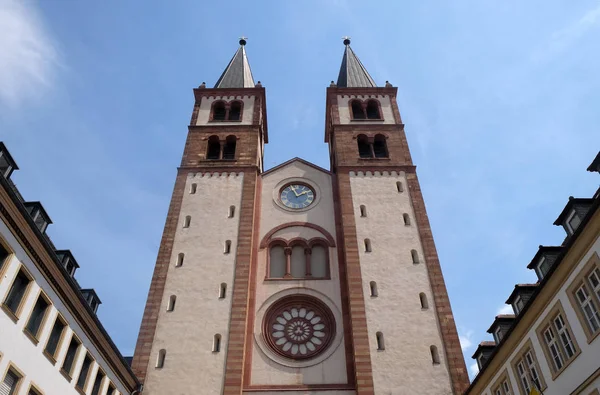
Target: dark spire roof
point(352, 73)
point(237, 74)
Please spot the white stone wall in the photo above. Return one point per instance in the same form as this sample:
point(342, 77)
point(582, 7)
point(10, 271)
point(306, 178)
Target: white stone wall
point(583, 365)
point(405, 366)
point(206, 103)
point(265, 371)
point(17, 349)
point(386, 109)
point(187, 332)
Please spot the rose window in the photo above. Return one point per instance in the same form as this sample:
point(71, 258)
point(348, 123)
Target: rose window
point(299, 327)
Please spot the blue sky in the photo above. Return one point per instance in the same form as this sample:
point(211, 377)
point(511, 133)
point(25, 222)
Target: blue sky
point(500, 102)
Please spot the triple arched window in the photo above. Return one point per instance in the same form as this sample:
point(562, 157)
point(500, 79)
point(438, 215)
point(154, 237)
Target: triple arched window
point(223, 111)
point(298, 259)
point(372, 147)
point(218, 149)
point(365, 110)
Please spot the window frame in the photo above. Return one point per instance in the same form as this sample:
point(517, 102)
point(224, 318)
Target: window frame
point(16, 315)
point(68, 374)
point(521, 357)
point(11, 367)
point(104, 378)
point(54, 357)
point(81, 389)
point(516, 307)
point(570, 218)
point(581, 280)
point(499, 384)
point(35, 337)
point(5, 263)
point(538, 267)
point(36, 390)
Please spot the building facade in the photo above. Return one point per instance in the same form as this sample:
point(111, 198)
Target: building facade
point(51, 341)
point(550, 345)
point(298, 279)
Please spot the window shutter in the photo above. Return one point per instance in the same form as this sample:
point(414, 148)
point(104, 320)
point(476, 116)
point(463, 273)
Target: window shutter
point(8, 385)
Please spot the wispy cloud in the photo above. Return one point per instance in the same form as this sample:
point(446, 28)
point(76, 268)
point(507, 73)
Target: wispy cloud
point(505, 309)
point(473, 369)
point(465, 338)
point(29, 56)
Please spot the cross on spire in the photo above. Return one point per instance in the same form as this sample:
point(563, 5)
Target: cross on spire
point(346, 40)
point(243, 40)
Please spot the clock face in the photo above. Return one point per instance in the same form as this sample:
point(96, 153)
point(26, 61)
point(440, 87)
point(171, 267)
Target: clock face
point(297, 196)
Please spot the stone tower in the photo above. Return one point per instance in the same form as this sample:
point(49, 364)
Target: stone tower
point(298, 280)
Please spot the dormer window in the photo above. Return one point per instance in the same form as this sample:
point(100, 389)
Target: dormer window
point(498, 334)
point(7, 163)
point(519, 304)
point(480, 361)
point(573, 222)
point(68, 261)
point(39, 215)
point(91, 298)
point(226, 111)
point(543, 267)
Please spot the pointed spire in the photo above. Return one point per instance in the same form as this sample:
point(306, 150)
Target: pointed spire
point(237, 74)
point(352, 73)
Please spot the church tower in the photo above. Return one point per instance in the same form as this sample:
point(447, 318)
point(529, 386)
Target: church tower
point(297, 280)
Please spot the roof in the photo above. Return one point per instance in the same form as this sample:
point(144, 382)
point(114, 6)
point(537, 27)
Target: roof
point(237, 74)
point(483, 345)
point(296, 159)
point(543, 250)
point(500, 318)
point(567, 210)
point(518, 289)
point(595, 165)
point(352, 72)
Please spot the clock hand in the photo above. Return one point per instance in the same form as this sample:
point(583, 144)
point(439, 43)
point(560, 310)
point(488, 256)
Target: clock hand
point(303, 193)
point(294, 190)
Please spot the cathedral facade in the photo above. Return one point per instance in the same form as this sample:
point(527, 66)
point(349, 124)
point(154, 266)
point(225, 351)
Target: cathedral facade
point(298, 280)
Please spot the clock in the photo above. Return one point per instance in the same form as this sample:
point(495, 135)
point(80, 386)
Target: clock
point(297, 196)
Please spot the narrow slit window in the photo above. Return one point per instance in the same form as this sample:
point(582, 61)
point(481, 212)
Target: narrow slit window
point(160, 361)
point(364, 148)
point(363, 211)
point(373, 288)
point(222, 291)
point(98, 383)
point(423, 299)
point(219, 111)
point(85, 372)
point(229, 148)
point(235, 111)
point(38, 314)
point(69, 360)
point(55, 338)
point(357, 110)
point(373, 110)
point(380, 341)
point(193, 188)
point(216, 343)
point(214, 148)
point(17, 292)
point(171, 304)
point(111, 390)
point(399, 186)
point(406, 219)
point(380, 146)
point(227, 247)
point(367, 245)
point(231, 212)
point(187, 221)
point(4, 254)
point(435, 356)
point(415, 256)
point(179, 261)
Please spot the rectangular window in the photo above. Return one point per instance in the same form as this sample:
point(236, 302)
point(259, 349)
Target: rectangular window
point(55, 338)
point(552, 344)
point(67, 366)
point(523, 377)
point(584, 295)
point(84, 373)
point(594, 279)
point(574, 221)
point(543, 267)
point(533, 369)
point(38, 314)
point(587, 305)
point(506, 388)
point(526, 369)
point(519, 304)
point(4, 254)
point(97, 383)
point(111, 390)
point(502, 385)
point(10, 383)
point(17, 292)
point(32, 391)
point(564, 336)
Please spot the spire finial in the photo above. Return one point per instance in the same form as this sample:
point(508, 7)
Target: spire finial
point(346, 40)
point(243, 40)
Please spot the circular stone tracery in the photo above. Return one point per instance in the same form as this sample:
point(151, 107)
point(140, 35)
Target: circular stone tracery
point(299, 327)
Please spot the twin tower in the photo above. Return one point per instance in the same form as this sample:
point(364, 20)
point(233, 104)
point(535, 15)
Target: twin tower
point(297, 280)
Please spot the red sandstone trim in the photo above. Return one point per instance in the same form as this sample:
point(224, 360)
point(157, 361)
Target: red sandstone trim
point(454, 356)
point(300, 387)
point(265, 240)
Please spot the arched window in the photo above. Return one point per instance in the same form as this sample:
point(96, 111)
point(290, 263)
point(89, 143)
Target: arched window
point(399, 186)
point(235, 111)
point(423, 299)
point(367, 245)
point(380, 341)
point(363, 210)
point(277, 262)
point(229, 148)
point(187, 221)
point(160, 360)
point(373, 110)
point(179, 262)
point(380, 147)
point(435, 357)
point(357, 110)
point(298, 262)
point(219, 111)
point(415, 256)
point(222, 291)
point(227, 247)
point(171, 304)
point(193, 188)
point(231, 212)
point(406, 219)
point(373, 288)
point(318, 261)
point(214, 148)
point(216, 343)
point(364, 148)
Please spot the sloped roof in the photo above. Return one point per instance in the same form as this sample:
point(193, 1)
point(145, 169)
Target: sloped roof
point(237, 74)
point(352, 72)
point(296, 159)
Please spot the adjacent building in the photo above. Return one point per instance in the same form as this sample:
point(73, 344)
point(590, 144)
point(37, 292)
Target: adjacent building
point(299, 279)
point(51, 341)
point(550, 344)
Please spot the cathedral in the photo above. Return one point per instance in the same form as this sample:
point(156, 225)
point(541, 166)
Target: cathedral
point(298, 279)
